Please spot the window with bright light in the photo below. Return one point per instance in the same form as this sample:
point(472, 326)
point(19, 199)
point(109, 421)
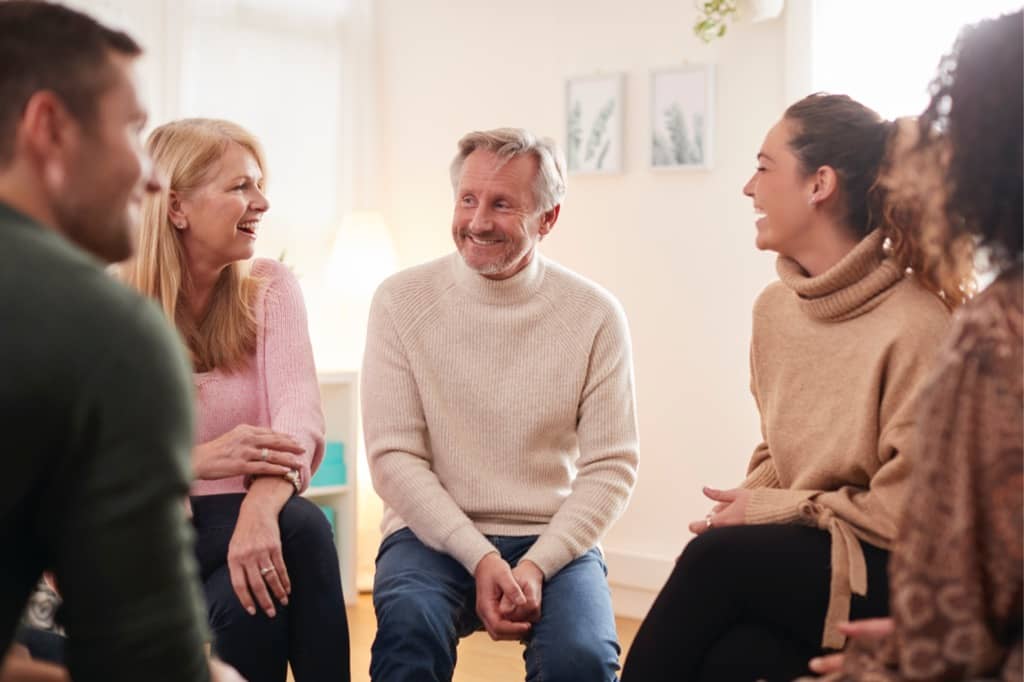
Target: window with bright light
point(884, 53)
point(278, 72)
point(277, 67)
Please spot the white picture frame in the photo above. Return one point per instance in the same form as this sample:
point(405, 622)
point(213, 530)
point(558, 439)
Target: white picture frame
point(682, 115)
point(594, 123)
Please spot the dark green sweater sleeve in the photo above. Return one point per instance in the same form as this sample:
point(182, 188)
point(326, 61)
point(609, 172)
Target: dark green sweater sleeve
point(124, 551)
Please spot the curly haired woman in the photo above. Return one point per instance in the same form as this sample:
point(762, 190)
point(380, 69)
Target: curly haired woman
point(956, 576)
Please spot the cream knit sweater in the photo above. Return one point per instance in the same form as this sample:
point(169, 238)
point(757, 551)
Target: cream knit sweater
point(837, 363)
point(499, 408)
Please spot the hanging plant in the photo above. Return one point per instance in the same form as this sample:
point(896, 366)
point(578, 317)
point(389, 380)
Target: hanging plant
point(712, 18)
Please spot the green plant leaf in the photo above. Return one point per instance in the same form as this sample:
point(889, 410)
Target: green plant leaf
point(713, 17)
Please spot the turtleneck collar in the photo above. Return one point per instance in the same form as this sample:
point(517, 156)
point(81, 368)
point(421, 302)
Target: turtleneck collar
point(851, 287)
point(515, 289)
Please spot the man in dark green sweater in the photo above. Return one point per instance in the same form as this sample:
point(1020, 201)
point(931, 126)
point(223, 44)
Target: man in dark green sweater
point(95, 396)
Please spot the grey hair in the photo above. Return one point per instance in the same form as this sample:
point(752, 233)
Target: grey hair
point(508, 143)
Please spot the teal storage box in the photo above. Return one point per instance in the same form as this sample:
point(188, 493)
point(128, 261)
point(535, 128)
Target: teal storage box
point(332, 467)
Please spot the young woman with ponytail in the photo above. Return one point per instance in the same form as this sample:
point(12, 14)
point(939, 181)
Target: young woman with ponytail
point(840, 346)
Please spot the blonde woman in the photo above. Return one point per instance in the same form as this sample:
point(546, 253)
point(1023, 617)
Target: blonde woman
point(266, 555)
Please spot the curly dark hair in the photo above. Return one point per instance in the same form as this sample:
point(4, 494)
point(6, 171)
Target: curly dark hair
point(976, 117)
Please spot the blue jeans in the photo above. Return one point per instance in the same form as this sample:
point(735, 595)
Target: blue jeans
point(426, 601)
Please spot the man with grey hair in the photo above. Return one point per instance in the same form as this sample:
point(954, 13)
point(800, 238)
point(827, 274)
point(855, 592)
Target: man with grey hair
point(499, 414)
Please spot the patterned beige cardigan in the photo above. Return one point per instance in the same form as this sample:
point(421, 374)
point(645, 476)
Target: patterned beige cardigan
point(956, 569)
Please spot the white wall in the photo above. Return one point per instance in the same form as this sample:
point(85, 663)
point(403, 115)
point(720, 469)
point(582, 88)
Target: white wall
point(675, 247)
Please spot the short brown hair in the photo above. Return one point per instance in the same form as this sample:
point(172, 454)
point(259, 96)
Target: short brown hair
point(45, 46)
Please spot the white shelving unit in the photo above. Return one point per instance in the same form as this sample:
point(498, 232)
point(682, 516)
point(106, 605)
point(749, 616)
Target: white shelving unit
point(339, 395)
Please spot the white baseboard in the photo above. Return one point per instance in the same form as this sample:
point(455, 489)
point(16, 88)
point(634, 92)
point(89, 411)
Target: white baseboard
point(629, 602)
point(635, 580)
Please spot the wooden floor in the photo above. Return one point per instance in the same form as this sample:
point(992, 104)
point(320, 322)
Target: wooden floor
point(480, 659)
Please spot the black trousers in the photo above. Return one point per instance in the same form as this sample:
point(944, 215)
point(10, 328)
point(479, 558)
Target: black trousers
point(746, 603)
point(311, 632)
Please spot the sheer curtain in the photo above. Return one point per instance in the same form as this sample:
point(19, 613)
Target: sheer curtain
point(282, 69)
point(278, 72)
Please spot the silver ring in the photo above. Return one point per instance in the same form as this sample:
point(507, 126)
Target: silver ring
point(264, 454)
point(707, 520)
point(268, 569)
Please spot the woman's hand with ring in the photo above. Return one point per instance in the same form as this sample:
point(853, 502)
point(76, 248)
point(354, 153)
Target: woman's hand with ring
point(256, 561)
point(247, 450)
point(730, 509)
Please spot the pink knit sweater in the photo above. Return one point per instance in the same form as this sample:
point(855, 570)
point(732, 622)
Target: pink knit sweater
point(278, 389)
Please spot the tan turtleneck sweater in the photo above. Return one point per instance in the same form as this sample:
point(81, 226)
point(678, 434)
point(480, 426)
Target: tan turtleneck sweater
point(837, 362)
point(499, 408)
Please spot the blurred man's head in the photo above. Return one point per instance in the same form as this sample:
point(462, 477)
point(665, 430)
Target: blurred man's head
point(70, 125)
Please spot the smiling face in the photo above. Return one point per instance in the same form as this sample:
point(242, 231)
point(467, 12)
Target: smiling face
point(782, 194)
point(496, 225)
point(220, 218)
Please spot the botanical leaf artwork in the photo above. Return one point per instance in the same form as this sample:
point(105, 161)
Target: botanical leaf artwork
point(593, 134)
point(597, 139)
point(575, 135)
point(681, 148)
point(680, 108)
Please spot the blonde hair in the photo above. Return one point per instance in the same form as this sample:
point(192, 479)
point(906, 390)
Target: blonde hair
point(184, 152)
